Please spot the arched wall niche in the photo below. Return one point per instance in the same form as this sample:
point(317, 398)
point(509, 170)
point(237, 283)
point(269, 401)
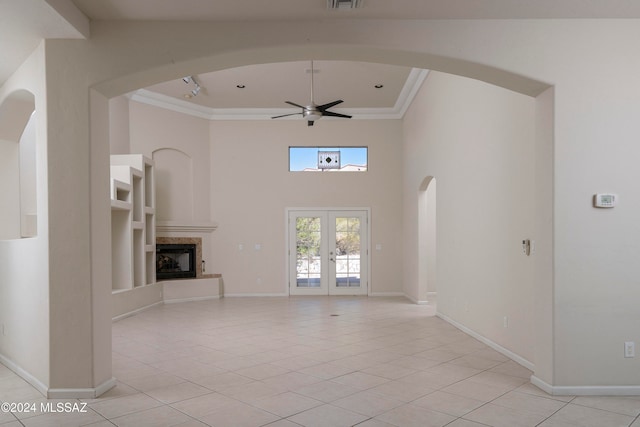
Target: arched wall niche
point(18, 206)
point(174, 184)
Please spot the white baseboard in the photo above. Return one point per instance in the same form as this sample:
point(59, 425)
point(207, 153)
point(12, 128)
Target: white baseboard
point(36, 383)
point(422, 302)
point(81, 393)
point(387, 294)
point(173, 301)
point(511, 355)
point(58, 393)
point(136, 311)
point(257, 295)
point(620, 390)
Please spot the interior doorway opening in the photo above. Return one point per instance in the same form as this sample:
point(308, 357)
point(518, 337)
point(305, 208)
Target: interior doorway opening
point(427, 288)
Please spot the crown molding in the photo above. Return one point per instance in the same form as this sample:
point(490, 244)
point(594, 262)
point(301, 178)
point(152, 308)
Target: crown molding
point(405, 98)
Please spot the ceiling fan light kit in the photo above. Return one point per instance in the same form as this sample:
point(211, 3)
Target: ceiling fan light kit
point(313, 112)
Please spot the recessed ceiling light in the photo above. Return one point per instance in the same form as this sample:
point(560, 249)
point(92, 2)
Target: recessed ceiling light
point(240, 86)
point(379, 86)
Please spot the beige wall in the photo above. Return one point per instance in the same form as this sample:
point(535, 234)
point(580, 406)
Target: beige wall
point(179, 145)
point(24, 263)
point(477, 140)
point(119, 132)
point(251, 188)
point(10, 190)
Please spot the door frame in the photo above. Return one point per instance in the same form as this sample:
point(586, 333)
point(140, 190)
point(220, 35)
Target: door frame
point(287, 257)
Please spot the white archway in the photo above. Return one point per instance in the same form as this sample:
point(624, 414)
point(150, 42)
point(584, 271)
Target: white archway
point(18, 166)
point(157, 70)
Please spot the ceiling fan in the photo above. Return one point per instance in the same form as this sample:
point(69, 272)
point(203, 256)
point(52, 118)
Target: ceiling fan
point(313, 112)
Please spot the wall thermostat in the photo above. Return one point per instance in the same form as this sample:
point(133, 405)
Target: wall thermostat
point(605, 200)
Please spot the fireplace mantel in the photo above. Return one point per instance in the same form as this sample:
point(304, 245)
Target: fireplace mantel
point(186, 227)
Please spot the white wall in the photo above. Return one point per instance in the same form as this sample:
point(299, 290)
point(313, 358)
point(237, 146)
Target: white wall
point(179, 145)
point(9, 190)
point(119, 132)
point(251, 188)
point(24, 263)
point(28, 184)
point(477, 140)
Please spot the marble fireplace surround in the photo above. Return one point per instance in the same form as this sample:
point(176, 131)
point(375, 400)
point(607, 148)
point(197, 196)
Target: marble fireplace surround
point(188, 241)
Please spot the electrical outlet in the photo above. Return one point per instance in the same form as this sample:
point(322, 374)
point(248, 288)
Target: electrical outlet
point(629, 349)
point(505, 321)
point(466, 306)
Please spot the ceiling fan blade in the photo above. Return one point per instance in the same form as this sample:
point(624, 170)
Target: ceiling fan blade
point(285, 115)
point(294, 104)
point(309, 122)
point(329, 105)
point(332, 114)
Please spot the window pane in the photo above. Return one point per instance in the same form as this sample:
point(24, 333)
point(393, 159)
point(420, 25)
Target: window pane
point(308, 241)
point(305, 159)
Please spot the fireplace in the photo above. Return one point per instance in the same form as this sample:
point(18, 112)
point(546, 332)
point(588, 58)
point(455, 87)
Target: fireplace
point(175, 261)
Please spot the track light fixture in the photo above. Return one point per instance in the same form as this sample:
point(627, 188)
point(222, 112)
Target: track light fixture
point(193, 92)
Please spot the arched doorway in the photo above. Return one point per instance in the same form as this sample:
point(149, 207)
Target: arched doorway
point(427, 240)
point(18, 166)
point(121, 84)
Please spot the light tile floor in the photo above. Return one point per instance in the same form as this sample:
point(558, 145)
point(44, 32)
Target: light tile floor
point(312, 361)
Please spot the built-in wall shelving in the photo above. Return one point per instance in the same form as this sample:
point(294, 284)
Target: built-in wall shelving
point(132, 221)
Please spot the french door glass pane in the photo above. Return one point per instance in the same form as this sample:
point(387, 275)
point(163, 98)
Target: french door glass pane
point(308, 261)
point(347, 252)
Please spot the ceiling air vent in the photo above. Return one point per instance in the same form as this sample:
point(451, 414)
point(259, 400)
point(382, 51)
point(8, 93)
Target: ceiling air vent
point(344, 4)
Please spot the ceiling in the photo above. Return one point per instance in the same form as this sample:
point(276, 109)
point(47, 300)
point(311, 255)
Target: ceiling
point(232, 10)
point(24, 23)
point(372, 91)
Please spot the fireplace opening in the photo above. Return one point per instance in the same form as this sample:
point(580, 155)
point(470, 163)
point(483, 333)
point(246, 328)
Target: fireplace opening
point(175, 261)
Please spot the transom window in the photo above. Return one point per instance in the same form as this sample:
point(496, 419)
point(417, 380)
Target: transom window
point(323, 159)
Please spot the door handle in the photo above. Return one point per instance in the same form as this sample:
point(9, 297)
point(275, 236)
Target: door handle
point(331, 259)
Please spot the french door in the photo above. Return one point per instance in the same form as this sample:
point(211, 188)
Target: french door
point(328, 252)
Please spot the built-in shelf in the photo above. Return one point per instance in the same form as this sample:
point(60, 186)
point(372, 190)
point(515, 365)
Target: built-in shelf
point(132, 222)
point(119, 205)
point(120, 191)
